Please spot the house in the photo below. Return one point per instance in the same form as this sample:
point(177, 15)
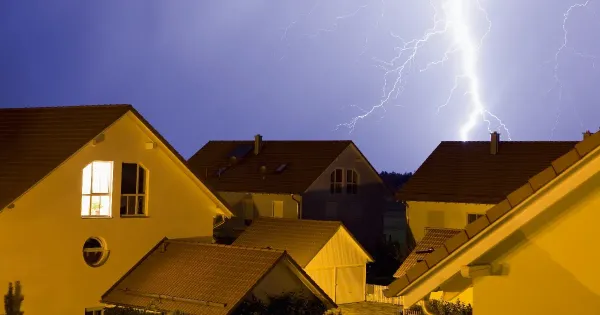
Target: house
point(534, 252)
point(85, 192)
point(325, 249)
point(319, 180)
point(210, 279)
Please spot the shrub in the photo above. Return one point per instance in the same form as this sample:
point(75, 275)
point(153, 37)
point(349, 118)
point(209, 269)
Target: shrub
point(287, 304)
point(438, 307)
point(13, 299)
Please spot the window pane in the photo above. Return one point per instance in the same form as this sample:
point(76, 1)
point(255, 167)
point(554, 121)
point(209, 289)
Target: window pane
point(354, 177)
point(338, 175)
point(128, 178)
point(141, 180)
point(123, 206)
point(86, 182)
point(101, 177)
point(131, 205)
point(140, 205)
point(333, 176)
point(95, 210)
point(105, 205)
point(85, 205)
point(349, 176)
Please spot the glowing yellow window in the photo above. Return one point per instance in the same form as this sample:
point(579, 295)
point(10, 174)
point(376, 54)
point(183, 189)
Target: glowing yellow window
point(96, 189)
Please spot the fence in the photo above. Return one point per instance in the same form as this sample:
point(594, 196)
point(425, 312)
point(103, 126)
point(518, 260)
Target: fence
point(375, 294)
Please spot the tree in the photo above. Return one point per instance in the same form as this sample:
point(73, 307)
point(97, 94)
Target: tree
point(286, 304)
point(395, 180)
point(13, 299)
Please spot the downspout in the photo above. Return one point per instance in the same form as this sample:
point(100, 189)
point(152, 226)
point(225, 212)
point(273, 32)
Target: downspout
point(298, 208)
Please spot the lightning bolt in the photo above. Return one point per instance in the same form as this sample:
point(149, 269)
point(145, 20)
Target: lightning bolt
point(565, 46)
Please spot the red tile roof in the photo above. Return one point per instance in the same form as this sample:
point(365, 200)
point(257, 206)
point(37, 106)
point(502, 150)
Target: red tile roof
point(433, 239)
point(196, 278)
point(466, 172)
point(512, 200)
point(305, 162)
point(303, 239)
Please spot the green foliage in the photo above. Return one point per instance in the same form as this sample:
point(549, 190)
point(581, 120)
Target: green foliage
point(395, 180)
point(287, 304)
point(438, 307)
point(13, 299)
point(123, 311)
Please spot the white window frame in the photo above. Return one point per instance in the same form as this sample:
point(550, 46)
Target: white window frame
point(477, 216)
point(137, 194)
point(352, 182)
point(92, 194)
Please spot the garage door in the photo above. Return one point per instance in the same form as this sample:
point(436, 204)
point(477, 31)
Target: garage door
point(350, 284)
point(324, 279)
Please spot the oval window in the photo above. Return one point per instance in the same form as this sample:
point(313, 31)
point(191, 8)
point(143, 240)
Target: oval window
point(94, 252)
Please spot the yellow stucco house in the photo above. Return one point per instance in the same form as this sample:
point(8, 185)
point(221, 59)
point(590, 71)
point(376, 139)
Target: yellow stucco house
point(85, 192)
point(533, 252)
point(325, 249)
point(210, 279)
point(315, 180)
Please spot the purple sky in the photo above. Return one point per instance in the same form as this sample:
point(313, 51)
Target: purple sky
point(202, 70)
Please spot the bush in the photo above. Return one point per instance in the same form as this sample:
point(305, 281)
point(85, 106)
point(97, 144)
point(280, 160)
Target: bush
point(438, 307)
point(131, 311)
point(13, 299)
point(287, 304)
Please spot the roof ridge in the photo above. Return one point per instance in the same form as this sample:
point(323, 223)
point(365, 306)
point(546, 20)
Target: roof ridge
point(64, 106)
point(299, 220)
point(191, 242)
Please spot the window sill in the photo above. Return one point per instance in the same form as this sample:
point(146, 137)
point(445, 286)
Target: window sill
point(130, 216)
point(96, 217)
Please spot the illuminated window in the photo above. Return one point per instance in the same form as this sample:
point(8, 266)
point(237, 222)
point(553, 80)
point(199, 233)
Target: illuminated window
point(335, 186)
point(351, 182)
point(133, 190)
point(96, 189)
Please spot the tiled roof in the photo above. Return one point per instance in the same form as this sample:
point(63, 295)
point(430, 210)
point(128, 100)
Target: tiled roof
point(305, 162)
point(528, 188)
point(433, 239)
point(466, 172)
point(193, 277)
point(302, 239)
point(34, 141)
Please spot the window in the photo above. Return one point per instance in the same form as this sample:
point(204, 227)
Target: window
point(336, 181)
point(278, 209)
point(351, 182)
point(96, 189)
point(94, 311)
point(94, 252)
point(133, 190)
point(471, 217)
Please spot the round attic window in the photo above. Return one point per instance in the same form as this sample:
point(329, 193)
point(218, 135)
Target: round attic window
point(94, 252)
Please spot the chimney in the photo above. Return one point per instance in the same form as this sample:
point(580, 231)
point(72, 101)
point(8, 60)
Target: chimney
point(586, 134)
point(257, 144)
point(494, 142)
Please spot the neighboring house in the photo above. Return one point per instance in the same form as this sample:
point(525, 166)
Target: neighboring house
point(325, 249)
point(85, 192)
point(320, 180)
point(395, 227)
point(534, 252)
point(210, 279)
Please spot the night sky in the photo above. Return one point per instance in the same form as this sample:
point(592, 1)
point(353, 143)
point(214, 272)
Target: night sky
point(210, 70)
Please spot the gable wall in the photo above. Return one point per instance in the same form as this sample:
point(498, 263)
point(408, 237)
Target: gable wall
point(42, 236)
point(551, 264)
point(340, 250)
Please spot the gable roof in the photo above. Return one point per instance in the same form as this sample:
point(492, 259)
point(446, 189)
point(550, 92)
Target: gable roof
point(305, 162)
point(466, 172)
point(434, 238)
point(198, 278)
point(302, 239)
point(36, 140)
point(495, 215)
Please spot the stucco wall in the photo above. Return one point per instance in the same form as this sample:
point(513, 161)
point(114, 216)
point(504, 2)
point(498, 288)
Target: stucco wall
point(41, 238)
point(550, 266)
point(439, 215)
point(361, 213)
point(262, 206)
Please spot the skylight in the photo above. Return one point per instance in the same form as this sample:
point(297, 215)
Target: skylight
point(241, 151)
point(220, 171)
point(281, 168)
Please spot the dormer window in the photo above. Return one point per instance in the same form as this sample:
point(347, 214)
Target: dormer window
point(336, 182)
point(133, 190)
point(351, 182)
point(96, 189)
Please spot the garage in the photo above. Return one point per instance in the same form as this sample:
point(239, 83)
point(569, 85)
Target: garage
point(326, 250)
